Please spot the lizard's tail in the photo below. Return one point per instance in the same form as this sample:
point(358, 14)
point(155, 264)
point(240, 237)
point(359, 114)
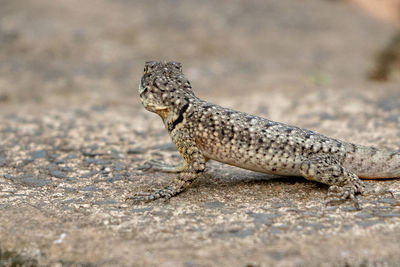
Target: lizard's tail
point(372, 163)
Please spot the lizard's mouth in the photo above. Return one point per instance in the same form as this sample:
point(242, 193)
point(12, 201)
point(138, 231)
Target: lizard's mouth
point(150, 105)
point(153, 107)
point(141, 90)
point(142, 94)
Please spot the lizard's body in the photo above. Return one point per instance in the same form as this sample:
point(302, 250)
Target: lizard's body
point(203, 131)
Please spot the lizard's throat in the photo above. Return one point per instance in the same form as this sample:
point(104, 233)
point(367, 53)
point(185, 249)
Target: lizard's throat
point(164, 113)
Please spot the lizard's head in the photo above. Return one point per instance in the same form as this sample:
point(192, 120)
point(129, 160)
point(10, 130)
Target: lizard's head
point(163, 86)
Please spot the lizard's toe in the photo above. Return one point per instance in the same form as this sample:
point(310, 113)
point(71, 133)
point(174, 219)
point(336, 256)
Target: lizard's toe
point(151, 165)
point(154, 163)
point(144, 167)
point(141, 196)
point(378, 191)
point(337, 195)
point(165, 193)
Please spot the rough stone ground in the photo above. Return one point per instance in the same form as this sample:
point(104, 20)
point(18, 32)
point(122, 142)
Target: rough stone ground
point(73, 134)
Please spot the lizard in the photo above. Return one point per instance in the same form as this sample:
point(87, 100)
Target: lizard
point(202, 131)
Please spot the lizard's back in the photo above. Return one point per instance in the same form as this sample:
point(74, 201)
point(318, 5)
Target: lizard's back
point(252, 142)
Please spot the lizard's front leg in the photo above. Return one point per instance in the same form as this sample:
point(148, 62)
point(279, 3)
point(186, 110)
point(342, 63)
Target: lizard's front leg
point(193, 167)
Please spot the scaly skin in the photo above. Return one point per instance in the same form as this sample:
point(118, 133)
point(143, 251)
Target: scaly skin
point(203, 131)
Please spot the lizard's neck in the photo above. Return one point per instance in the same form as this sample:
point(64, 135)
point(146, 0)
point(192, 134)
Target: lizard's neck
point(178, 113)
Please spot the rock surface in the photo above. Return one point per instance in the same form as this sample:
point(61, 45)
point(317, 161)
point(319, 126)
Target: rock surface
point(73, 134)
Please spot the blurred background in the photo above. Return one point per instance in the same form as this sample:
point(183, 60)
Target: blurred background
point(71, 52)
point(74, 135)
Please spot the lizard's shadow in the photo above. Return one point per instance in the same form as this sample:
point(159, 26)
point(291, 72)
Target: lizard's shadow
point(231, 176)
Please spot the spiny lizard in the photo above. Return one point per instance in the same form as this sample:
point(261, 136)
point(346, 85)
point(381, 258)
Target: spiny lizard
point(202, 131)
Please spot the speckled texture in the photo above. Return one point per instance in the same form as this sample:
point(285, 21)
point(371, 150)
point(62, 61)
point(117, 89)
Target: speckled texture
point(75, 138)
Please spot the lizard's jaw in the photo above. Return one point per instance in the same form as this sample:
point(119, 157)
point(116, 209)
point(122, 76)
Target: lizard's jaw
point(159, 109)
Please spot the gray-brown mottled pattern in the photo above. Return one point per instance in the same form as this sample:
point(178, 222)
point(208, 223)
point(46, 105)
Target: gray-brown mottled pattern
point(203, 131)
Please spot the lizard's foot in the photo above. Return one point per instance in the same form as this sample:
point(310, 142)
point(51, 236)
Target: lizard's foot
point(340, 194)
point(155, 165)
point(180, 183)
point(166, 193)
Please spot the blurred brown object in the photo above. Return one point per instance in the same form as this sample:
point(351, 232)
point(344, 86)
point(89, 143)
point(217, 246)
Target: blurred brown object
point(387, 66)
point(388, 10)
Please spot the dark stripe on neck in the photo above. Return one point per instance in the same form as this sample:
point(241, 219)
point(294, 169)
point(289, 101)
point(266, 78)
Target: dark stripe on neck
point(178, 120)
